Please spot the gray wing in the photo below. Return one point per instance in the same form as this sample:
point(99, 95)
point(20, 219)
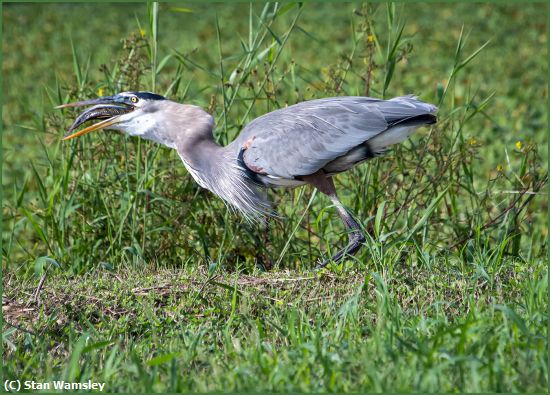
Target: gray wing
point(301, 139)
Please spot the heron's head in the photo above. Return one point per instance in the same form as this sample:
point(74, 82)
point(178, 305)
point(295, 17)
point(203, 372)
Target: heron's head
point(135, 113)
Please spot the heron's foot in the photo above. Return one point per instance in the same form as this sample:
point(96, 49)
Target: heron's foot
point(356, 241)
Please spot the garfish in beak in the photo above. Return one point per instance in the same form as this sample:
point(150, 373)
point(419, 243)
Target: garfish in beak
point(109, 109)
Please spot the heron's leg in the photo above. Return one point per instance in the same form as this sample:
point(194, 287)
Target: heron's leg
point(355, 234)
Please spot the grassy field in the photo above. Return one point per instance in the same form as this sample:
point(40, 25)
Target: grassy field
point(118, 268)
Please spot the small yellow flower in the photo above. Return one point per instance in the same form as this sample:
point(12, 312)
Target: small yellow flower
point(370, 38)
point(100, 92)
point(472, 141)
point(500, 168)
point(142, 32)
point(518, 145)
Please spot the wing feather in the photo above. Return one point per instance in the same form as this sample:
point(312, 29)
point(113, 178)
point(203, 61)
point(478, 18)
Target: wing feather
point(301, 139)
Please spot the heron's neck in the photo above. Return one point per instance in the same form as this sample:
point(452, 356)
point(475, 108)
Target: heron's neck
point(204, 159)
point(193, 139)
point(186, 128)
point(214, 167)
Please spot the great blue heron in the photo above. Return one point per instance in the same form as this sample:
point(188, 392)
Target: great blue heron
point(306, 143)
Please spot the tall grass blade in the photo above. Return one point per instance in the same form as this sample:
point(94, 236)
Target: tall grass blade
point(424, 219)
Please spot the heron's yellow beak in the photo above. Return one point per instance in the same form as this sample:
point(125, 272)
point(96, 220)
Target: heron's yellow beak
point(100, 125)
point(108, 109)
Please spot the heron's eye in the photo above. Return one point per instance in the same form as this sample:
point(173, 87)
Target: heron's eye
point(134, 99)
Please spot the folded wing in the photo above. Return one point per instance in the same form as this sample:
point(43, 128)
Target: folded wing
point(304, 138)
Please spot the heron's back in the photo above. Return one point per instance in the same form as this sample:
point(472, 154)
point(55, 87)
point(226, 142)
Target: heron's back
point(332, 134)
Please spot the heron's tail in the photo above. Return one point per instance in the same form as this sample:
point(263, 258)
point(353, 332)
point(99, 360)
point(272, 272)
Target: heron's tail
point(404, 114)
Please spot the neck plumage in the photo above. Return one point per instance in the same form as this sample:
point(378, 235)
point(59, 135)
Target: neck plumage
point(214, 167)
point(203, 159)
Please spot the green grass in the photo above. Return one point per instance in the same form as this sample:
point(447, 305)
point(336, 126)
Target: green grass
point(118, 268)
point(174, 330)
